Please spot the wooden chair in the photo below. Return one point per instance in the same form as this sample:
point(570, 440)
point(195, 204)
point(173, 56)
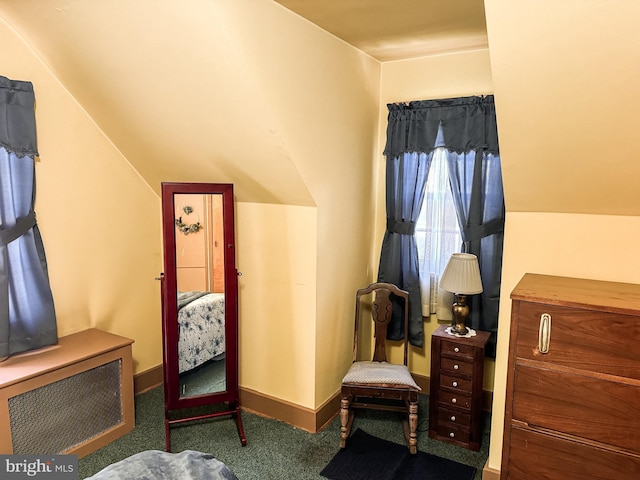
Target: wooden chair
point(378, 384)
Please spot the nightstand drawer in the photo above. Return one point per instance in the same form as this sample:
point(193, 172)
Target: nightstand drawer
point(455, 400)
point(454, 432)
point(456, 349)
point(456, 383)
point(446, 416)
point(456, 367)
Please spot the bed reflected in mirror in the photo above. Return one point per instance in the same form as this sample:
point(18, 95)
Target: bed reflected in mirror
point(201, 348)
point(199, 233)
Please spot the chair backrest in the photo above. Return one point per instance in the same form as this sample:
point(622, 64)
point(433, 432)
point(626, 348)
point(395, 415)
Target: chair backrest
point(381, 310)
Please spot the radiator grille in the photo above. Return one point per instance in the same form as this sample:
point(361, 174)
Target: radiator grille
point(59, 416)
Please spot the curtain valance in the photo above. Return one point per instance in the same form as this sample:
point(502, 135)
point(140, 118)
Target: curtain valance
point(17, 117)
point(468, 124)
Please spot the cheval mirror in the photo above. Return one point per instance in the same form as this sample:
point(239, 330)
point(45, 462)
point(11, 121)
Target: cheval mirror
point(199, 303)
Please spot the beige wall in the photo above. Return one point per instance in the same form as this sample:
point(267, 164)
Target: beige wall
point(277, 299)
point(441, 76)
point(565, 80)
point(100, 221)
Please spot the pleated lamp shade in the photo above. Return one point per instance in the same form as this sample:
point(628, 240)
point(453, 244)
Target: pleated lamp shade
point(462, 275)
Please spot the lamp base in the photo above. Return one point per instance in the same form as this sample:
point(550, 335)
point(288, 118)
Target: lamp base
point(460, 329)
point(460, 311)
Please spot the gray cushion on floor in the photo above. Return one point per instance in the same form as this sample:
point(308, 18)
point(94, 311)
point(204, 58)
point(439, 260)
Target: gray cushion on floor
point(158, 465)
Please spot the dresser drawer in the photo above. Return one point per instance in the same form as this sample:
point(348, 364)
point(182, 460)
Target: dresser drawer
point(535, 455)
point(455, 400)
point(584, 339)
point(457, 349)
point(456, 383)
point(580, 405)
point(456, 367)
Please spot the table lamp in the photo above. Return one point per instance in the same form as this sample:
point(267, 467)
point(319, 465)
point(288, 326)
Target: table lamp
point(461, 277)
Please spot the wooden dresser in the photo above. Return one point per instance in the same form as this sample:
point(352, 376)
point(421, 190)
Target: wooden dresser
point(573, 381)
point(455, 390)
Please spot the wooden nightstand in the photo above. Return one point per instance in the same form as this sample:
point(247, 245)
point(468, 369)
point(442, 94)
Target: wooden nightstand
point(455, 391)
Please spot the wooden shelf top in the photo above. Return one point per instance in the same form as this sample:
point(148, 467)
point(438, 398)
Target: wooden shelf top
point(70, 349)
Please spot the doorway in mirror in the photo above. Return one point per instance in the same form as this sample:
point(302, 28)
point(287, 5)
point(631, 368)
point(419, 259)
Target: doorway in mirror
point(199, 303)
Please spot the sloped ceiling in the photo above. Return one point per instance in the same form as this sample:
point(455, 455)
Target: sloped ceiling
point(151, 74)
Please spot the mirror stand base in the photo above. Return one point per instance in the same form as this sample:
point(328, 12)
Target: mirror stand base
point(234, 411)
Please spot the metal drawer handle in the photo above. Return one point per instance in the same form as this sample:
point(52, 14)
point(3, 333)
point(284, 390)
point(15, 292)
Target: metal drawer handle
point(453, 418)
point(455, 384)
point(453, 400)
point(544, 335)
point(456, 349)
point(452, 435)
point(456, 367)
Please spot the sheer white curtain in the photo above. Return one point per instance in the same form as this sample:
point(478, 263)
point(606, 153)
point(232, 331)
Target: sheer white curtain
point(437, 237)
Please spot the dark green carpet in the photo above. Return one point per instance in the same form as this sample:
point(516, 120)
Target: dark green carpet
point(275, 450)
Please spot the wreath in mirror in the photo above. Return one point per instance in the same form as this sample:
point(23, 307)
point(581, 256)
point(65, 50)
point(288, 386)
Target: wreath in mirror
point(187, 228)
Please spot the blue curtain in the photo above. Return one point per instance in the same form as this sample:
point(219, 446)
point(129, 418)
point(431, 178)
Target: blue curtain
point(27, 315)
point(406, 181)
point(476, 184)
point(467, 128)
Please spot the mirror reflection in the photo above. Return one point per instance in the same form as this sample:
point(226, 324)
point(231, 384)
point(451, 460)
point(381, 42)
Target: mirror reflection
point(199, 240)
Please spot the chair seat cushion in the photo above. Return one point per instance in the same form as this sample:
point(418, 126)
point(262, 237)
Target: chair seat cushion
point(379, 373)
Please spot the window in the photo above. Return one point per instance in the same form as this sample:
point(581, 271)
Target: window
point(467, 128)
point(437, 236)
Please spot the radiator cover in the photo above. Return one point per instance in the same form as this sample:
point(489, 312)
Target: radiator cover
point(78, 397)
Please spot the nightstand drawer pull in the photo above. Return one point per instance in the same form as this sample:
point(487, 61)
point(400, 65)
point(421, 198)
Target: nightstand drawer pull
point(455, 384)
point(457, 350)
point(453, 400)
point(452, 435)
point(544, 334)
point(453, 418)
point(456, 366)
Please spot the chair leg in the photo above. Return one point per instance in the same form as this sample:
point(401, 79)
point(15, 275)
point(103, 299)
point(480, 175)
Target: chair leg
point(346, 420)
point(413, 427)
